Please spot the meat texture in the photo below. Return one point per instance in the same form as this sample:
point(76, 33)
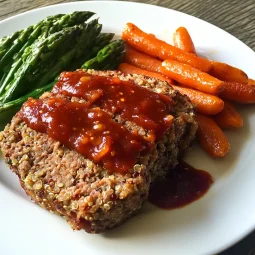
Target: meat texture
point(87, 195)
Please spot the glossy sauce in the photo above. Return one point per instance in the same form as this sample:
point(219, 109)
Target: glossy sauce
point(146, 108)
point(182, 186)
point(88, 126)
point(91, 132)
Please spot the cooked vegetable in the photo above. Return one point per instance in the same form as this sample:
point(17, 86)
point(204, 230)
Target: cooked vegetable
point(183, 41)
point(191, 77)
point(33, 57)
point(106, 58)
point(229, 117)
point(43, 29)
point(211, 137)
point(101, 41)
point(142, 60)
point(226, 72)
point(239, 92)
point(127, 68)
point(207, 83)
point(80, 48)
point(251, 81)
point(44, 59)
point(15, 47)
point(7, 110)
point(205, 103)
point(152, 46)
point(6, 42)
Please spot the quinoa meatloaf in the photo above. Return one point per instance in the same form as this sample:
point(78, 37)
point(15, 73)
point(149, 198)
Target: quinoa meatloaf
point(86, 194)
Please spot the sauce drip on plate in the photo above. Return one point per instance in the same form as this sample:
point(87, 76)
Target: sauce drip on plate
point(182, 186)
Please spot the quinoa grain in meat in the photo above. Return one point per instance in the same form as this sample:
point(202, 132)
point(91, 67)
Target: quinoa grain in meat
point(88, 195)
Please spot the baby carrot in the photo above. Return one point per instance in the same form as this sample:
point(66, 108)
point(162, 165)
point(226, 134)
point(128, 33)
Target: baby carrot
point(229, 117)
point(226, 72)
point(183, 41)
point(191, 77)
point(251, 81)
point(238, 92)
point(211, 137)
point(152, 46)
point(142, 60)
point(205, 103)
point(126, 68)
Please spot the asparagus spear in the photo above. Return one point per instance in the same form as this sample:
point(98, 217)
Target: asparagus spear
point(4, 74)
point(7, 110)
point(87, 38)
point(6, 42)
point(69, 20)
point(110, 56)
point(31, 58)
point(17, 44)
point(68, 62)
point(9, 75)
point(114, 47)
point(2, 78)
point(101, 40)
point(9, 45)
point(56, 48)
point(83, 43)
point(113, 63)
point(106, 55)
point(54, 24)
point(45, 27)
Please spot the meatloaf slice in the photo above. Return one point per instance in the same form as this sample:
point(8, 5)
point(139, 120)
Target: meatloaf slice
point(84, 193)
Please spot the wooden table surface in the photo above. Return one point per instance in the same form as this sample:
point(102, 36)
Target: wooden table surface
point(235, 16)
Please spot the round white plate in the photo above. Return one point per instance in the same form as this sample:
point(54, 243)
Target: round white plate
point(222, 217)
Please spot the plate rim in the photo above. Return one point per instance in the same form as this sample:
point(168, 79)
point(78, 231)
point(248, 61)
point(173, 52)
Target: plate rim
point(38, 9)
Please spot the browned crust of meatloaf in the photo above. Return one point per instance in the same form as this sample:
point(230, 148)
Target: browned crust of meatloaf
point(64, 182)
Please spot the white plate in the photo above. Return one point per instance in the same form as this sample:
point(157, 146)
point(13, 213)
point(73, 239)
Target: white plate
point(222, 217)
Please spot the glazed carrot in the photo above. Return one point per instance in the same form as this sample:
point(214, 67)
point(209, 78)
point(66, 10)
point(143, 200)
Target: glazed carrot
point(238, 92)
point(154, 47)
point(126, 68)
point(251, 81)
point(191, 77)
point(142, 60)
point(183, 41)
point(211, 137)
point(226, 72)
point(229, 117)
point(205, 103)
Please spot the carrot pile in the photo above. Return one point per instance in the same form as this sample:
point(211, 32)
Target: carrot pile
point(212, 86)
